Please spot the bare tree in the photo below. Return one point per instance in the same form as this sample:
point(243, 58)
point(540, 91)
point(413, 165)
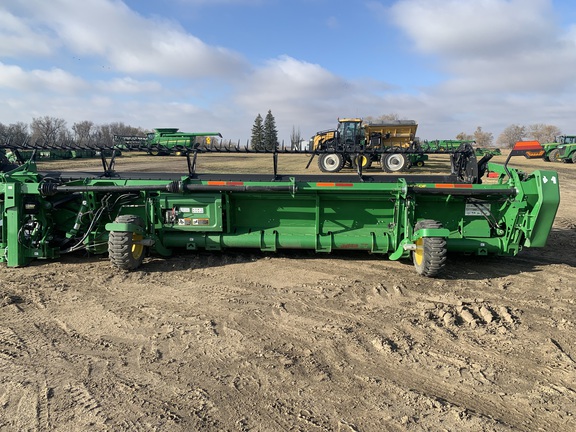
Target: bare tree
point(14, 133)
point(463, 136)
point(295, 138)
point(17, 133)
point(103, 134)
point(543, 133)
point(384, 118)
point(47, 130)
point(483, 139)
point(83, 131)
point(511, 135)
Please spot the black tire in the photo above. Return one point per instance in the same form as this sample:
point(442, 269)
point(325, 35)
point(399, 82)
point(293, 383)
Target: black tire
point(124, 248)
point(430, 254)
point(419, 164)
point(574, 157)
point(365, 160)
point(157, 152)
point(330, 162)
point(395, 162)
point(554, 155)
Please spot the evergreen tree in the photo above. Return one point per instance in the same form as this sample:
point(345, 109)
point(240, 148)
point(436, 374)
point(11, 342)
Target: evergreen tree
point(270, 132)
point(257, 139)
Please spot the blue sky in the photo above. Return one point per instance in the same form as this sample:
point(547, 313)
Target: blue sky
point(214, 65)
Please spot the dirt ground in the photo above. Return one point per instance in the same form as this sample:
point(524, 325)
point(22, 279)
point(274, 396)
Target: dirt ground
point(251, 341)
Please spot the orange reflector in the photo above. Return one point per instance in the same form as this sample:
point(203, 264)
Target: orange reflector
point(224, 183)
point(334, 184)
point(452, 186)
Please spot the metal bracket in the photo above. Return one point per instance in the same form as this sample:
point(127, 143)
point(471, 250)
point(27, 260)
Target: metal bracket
point(108, 166)
point(192, 163)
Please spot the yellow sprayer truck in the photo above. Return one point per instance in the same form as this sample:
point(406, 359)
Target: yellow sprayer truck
point(355, 142)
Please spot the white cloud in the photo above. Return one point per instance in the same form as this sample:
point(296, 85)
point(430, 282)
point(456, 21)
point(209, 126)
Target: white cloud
point(294, 89)
point(129, 85)
point(129, 42)
point(287, 79)
point(472, 28)
point(490, 45)
point(18, 38)
point(50, 81)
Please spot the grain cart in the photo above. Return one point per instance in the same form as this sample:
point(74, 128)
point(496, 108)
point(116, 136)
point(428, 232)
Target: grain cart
point(354, 142)
point(45, 215)
point(163, 141)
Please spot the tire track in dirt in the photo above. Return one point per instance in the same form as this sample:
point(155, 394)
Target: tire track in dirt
point(244, 340)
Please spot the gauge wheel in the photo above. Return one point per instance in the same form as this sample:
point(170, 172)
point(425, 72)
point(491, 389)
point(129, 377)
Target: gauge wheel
point(330, 162)
point(430, 253)
point(125, 249)
point(394, 162)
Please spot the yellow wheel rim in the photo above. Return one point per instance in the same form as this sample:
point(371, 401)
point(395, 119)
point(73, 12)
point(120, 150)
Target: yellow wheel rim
point(419, 252)
point(137, 247)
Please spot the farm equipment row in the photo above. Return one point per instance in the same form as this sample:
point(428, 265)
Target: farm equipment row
point(392, 144)
point(45, 215)
point(164, 141)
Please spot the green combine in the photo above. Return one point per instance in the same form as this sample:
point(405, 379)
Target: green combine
point(45, 215)
point(164, 141)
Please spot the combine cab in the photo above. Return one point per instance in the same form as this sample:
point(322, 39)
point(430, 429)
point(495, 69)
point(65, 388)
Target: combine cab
point(45, 215)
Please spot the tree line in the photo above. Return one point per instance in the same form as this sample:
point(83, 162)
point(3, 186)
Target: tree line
point(540, 132)
point(54, 131)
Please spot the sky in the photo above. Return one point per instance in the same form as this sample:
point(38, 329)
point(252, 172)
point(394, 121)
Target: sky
point(214, 65)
